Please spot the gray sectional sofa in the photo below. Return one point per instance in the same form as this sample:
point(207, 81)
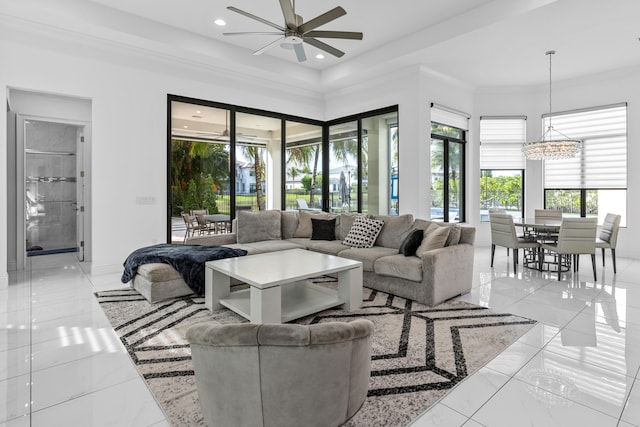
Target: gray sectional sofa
point(434, 276)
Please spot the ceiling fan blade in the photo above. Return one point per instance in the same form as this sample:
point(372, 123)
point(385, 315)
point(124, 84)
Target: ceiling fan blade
point(269, 46)
point(329, 16)
point(335, 35)
point(252, 32)
point(257, 18)
point(299, 48)
point(289, 15)
point(323, 46)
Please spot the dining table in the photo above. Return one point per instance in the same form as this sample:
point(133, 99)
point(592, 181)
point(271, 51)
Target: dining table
point(538, 223)
point(541, 229)
point(221, 222)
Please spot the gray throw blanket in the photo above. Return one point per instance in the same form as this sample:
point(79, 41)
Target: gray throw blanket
point(188, 260)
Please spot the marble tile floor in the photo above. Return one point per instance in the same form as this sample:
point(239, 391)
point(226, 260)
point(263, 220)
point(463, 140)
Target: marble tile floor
point(62, 364)
point(577, 367)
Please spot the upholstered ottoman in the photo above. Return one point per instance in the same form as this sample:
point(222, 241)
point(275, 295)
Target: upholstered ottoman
point(159, 281)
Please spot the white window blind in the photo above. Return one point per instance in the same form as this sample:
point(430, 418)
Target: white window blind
point(501, 140)
point(602, 162)
point(449, 117)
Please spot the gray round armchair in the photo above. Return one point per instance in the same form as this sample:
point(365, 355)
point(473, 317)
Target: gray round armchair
point(281, 374)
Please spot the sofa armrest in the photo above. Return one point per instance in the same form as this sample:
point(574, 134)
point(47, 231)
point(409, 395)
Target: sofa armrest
point(448, 271)
point(213, 239)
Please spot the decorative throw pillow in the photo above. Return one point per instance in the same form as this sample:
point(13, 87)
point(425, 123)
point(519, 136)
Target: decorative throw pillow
point(304, 222)
point(363, 232)
point(411, 242)
point(454, 235)
point(323, 229)
point(396, 227)
point(434, 238)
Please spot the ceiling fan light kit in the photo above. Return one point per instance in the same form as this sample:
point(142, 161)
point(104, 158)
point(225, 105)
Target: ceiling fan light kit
point(295, 31)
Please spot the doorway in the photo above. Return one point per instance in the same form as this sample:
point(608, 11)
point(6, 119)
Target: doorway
point(52, 187)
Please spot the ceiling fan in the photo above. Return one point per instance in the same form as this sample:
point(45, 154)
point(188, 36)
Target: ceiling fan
point(295, 31)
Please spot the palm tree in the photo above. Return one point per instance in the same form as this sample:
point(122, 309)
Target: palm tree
point(254, 153)
point(302, 156)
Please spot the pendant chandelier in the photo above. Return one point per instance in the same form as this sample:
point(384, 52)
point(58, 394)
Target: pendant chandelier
point(554, 145)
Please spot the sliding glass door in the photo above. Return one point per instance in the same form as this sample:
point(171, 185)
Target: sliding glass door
point(200, 163)
point(303, 166)
point(225, 158)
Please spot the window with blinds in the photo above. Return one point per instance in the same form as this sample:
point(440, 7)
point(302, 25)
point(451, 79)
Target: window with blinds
point(595, 181)
point(502, 164)
point(450, 117)
point(501, 140)
point(602, 162)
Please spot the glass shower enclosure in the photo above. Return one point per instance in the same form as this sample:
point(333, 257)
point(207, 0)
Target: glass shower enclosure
point(50, 187)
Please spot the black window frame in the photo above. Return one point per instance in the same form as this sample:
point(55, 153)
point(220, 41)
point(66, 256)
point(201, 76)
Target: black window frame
point(462, 217)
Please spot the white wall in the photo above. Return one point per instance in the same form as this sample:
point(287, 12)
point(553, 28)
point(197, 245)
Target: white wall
point(129, 116)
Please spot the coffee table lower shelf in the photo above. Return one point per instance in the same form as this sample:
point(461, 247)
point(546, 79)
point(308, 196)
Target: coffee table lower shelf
point(297, 300)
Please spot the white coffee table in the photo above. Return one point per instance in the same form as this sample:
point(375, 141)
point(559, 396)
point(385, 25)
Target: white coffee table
point(278, 290)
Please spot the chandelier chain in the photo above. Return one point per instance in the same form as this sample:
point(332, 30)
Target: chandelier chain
point(550, 53)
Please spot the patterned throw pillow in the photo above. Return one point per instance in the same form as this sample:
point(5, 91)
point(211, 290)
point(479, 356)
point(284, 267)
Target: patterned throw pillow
point(363, 232)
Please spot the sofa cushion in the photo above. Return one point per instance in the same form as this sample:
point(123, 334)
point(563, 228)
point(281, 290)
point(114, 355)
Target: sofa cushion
point(289, 223)
point(272, 246)
point(363, 232)
point(258, 226)
point(323, 229)
point(345, 221)
point(251, 250)
point(435, 237)
point(409, 268)
point(395, 229)
point(331, 247)
point(367, 256)
point(411, 243)
point(304, 222)
point(157, 272)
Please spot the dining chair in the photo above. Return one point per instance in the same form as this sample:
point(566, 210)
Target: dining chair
point(203, 226)
point(189, 224)
point(195, 212)
point(548, 213)
point(503, 233)
point(608, 237)
point(498, 210)
point(577, 236)
point(547, 234)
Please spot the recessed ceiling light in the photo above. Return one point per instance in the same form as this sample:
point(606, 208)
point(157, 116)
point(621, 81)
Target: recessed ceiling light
point(221, 22)
point(197, 111)
point(319, 56)
point(185, 126)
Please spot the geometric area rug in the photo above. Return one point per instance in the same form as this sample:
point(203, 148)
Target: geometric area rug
point(419, 353)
